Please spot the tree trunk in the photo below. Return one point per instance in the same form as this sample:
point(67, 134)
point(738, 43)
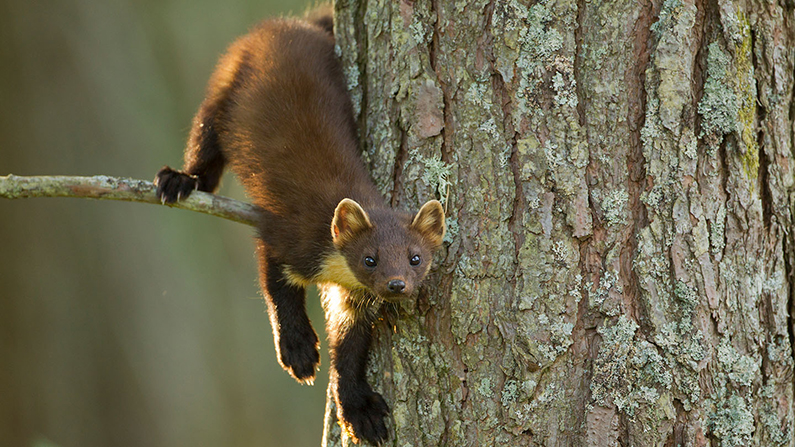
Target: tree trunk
point(618, 179)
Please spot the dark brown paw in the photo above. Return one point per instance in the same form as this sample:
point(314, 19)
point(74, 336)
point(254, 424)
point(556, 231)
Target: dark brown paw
point(174, 185)
point(299, 356)
point(363, 417)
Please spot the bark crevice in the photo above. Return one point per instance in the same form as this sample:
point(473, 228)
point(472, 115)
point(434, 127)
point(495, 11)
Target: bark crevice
point(360, 35)
point(765, 193)
point(581, 116)
point(590, 264)
point(697, 78)
point(789, 269)
point(723, 156)
point(397, 173)
point(636, 162)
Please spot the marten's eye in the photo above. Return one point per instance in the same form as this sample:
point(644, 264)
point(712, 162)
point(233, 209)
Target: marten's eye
point(369, 261)
point(415, 260)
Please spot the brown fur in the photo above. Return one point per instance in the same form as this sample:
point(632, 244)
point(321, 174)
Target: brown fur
point(277, 112)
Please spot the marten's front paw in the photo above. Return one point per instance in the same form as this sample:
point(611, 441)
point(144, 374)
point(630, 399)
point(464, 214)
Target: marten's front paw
point(174, 185)
point(363, 416)
point(299, 356)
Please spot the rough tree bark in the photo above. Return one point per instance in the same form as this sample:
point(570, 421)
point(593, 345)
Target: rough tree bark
point(618, 178)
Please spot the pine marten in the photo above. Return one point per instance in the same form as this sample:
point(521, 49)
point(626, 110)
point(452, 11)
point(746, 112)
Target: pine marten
point(277, 111)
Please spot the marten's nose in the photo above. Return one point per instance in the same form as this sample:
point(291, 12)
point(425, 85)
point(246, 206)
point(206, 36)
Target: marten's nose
point(396, 285)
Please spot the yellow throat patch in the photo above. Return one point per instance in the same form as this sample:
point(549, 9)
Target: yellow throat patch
point(334, 269)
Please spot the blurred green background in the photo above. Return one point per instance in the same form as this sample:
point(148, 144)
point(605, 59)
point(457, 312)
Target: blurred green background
point(125, 324)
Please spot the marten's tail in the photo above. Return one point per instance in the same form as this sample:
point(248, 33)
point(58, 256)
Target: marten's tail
point(322, 16)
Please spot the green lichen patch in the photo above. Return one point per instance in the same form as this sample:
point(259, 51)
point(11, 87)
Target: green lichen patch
point(746, 88)
point(531, 42)
point(729, 101)
point(627, 372)
point(614, 207)
point(731, 419)
point(559, 338)
point(732, 423)
point(689, 144)
point(780, 351)
point(719, 105)
point(777, 432)
point(597, 296)
point(717, 230)
point(667, 18)
point(436, 174)
point(681, 344)
point(741, 369)
point(452, 229)
point(565, 88)
point(686, 297)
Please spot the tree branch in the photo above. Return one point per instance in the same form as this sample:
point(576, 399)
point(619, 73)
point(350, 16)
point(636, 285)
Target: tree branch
point(130, 190)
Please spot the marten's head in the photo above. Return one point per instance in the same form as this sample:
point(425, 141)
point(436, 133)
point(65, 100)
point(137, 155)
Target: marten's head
point(388, 252)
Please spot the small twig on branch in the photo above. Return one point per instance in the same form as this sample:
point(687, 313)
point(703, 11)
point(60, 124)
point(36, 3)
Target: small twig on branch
point(130, 190)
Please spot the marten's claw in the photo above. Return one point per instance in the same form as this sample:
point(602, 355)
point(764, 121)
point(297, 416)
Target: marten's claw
point(173, 186)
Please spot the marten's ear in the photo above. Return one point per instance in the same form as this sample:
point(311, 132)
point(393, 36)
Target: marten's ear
point(349, 219)
point(429, 222)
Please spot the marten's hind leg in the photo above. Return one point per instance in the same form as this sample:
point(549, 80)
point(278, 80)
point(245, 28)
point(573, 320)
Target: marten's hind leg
point(204, 162)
